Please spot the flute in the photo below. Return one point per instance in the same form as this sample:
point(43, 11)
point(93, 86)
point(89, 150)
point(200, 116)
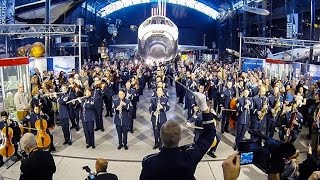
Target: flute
point(52, 94)
point(77, 99)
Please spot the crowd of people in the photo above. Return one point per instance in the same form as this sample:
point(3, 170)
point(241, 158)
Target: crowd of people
point(209, 91)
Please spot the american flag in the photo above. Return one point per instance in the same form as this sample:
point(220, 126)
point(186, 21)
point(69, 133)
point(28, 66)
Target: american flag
point(158, 8)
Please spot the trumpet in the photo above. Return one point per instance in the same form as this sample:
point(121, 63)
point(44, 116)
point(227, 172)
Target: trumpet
point(77, 99)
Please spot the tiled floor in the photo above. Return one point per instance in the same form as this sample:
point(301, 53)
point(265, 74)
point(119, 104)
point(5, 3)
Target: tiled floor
point(127, 164)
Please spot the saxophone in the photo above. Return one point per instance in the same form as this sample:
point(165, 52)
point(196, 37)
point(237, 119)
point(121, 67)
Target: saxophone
point(264, 110)
point(276, 108)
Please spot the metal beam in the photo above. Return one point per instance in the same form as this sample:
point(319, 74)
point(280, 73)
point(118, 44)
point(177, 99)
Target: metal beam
point(278, 42)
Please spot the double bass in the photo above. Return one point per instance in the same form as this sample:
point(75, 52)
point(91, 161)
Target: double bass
point(7, 147)
point(42, 138)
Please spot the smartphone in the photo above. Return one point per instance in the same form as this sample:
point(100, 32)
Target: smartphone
point(246, 158)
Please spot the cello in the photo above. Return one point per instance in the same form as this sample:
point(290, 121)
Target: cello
point(233, 106)
point(7, 147)
point(42, 138)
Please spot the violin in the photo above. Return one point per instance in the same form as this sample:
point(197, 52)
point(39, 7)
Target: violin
point(42, 138)
point(7, 147)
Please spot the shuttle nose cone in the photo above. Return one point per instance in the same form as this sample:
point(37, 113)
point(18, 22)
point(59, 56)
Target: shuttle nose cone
point(158, 51)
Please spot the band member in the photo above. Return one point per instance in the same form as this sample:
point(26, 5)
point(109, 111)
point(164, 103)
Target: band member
point(97, 96)
point(88, 116)
point(315, 128)
point(196, 118)
point(226, 96)
point(244, 107)
point(289, 132)
point(64, 116)
point(276, 103)
point(158, 108)
point(5, 121)
point(122, 107)
point(33, 117)
point(21, 102)
point(189, 99)
point(130, 93)
point(36, 99)
point(77, 107)
point(261, 108)
point(72, 95)
point(107, 93)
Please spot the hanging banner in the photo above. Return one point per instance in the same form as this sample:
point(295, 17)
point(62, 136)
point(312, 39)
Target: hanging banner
point(253, 64)
point(292, 25)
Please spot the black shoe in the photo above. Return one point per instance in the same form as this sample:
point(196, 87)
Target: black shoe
point(97, 129)
point(309, 136)
point(131, 131)
point(18, 156)
point(102, 130)
point(119, 147)
point(1, 163)
point(73, 127)
point(93, 147)
point(211, 155)
point(111, 115)
point(126, 147)
point(70, 143)
point(106, 115)
point(88, 146)
point(77, 129)
point(235, 147)
point(226, 130)
point(65, 143)
point(155, 146)
point(53, 149)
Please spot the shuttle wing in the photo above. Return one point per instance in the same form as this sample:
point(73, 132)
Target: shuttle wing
point(183, 48)
point(259, 11)
point(124, 46)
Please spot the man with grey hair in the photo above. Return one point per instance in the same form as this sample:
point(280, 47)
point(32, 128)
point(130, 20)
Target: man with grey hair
point(179, 163)
point(39, 165)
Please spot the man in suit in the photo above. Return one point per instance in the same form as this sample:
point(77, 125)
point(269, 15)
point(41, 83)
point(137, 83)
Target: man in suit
point(39, 165)
point(101, 169)
point(174, 162)
point(158, 108)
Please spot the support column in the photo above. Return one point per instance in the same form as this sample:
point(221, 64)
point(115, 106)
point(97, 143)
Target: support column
point(313, 19)
point(80, 23)
point(47, 19)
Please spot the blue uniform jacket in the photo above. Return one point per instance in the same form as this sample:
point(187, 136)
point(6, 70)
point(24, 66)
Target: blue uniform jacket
point(64, 107)
point(122, 118)
point(244, 113)
point(162, 117)
point(88, 112)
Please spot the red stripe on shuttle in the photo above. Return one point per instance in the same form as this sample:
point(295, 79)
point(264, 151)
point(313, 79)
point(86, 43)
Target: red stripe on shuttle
point(14, 61)
point(277, 61)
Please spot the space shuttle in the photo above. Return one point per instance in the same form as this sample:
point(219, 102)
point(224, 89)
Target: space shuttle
point(158, 40)
point(296, 54)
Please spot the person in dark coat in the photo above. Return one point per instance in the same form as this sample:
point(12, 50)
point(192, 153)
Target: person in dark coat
point(174, 162)
point(101, 169)
point(39, 165)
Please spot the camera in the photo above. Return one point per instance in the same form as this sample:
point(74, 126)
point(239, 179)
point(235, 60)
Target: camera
point(268, 157)
point(91, 176)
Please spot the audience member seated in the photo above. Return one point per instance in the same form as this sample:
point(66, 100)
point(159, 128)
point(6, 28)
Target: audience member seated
point(39, 165)
point(101, 169)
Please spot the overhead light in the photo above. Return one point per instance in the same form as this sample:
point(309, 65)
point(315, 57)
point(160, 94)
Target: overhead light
point(199, 6)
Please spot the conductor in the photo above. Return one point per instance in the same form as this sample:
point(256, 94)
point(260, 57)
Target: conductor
point(174, 162)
